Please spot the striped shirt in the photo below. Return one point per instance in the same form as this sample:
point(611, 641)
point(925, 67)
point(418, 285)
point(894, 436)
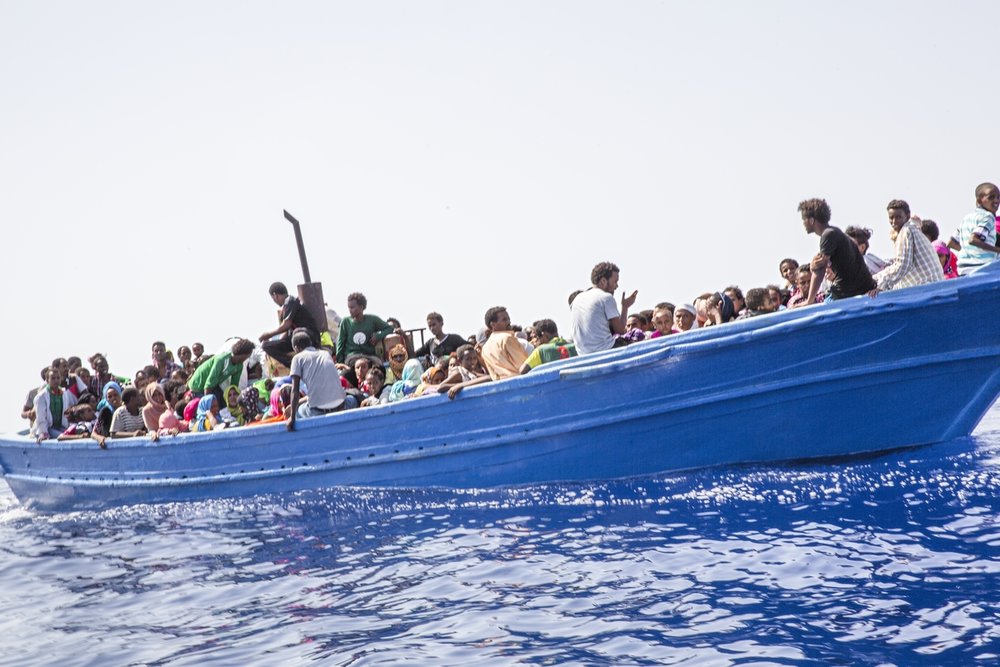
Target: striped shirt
point(915, 263)
point(124, 421)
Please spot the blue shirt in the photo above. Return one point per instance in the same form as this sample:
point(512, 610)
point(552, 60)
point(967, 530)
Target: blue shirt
point(983, 223)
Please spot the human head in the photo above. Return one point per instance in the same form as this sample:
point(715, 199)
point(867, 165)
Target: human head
point(81, 412)
point(988, 197)
point(74, 363)
point(497, 319)
point(684, 317)
point(787, 268)
point(777, 297)
point(278, 292)
point(803, 279)
point(398, 355)
point(99, 363)
point(130, 398)
point(435, 323)
point(54, 378)
point(83, 374)
point(242, 350)
point(860, 236)
point(184, 354)
point(663, 319)
point(467, 357)
point(736, 295)
point(572, 295)
point(815, 215)
point(197, 349)
point(396, 324)
point(758, 298)
point(636, 321)
point(930, 230)
point(361, 367)
point(356, 304)
point(159, 349)
point(300, 341)
point(375, 379)
point(545, 330)
point(605, 276)
point(61, 365)
point(140, 380)
point(899, 213)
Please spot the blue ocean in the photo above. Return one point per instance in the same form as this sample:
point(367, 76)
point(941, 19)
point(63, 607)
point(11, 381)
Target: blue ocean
point(886, 560)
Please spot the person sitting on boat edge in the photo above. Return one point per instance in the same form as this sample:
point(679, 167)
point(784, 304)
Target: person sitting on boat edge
point(549, 346)
point(127, 420)
point(977, 233)
point(293, 315)
point(915, 262)
point(317, 370)
point(50, 404)
point(441, 344)
point(837, 252)
point(373, 388)
point(220, 368)
point(595, 313)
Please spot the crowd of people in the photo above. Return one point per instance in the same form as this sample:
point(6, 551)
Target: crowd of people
point(363, 360)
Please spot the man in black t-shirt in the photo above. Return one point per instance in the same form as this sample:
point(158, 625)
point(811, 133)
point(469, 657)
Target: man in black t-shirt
point(293, 316)
point(836, 252)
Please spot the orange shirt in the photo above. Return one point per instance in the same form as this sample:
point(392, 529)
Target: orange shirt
point(503, 355)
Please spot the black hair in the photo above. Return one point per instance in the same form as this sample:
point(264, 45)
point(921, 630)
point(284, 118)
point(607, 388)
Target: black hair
point(899, 205)
point(128, 393)
point(493, 313)
point(278, 288)
point(817, 209)
point(756, 298)
point(546, 326)
point(930, 229)
point(859, 234)
point(359, 298)
point(434, 316)
point(242, 346)
point(572, 295)
point(300, 340)
point(602, 270)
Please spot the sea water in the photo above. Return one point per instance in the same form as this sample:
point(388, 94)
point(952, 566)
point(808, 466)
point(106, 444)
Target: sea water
point(887, 560)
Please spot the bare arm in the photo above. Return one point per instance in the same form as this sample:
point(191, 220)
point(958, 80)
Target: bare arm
point(618, 324)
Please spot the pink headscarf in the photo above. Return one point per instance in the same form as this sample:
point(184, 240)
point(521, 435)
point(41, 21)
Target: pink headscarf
point(156, 406)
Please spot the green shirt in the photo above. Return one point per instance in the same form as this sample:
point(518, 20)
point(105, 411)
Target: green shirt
point(554, 350)
point(213, 372)
point(360, 337)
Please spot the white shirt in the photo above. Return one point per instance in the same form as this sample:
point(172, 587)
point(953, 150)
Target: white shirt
point(591, 329)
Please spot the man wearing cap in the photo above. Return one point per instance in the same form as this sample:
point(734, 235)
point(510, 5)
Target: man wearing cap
point(596, 318)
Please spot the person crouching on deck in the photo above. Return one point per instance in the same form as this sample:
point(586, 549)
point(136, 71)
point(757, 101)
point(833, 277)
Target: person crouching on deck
point(317, 370)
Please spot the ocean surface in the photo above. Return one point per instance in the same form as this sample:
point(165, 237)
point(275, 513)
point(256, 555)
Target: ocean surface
point(888, 560)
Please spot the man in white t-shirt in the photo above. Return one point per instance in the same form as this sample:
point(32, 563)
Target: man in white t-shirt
point(596, 319)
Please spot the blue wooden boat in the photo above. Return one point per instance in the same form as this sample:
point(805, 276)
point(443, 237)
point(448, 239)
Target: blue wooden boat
point(911, 367)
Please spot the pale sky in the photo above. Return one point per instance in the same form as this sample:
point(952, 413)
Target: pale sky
point(454, 156)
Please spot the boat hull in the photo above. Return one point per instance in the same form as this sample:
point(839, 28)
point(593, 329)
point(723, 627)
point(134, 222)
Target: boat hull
point(858, 376)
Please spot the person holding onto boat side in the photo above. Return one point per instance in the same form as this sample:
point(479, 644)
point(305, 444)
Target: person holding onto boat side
point(226, 367)
point(837, 252)
point(550, 347)
point(51, 402)
point(127, 419)
point(317, 370)
point(977, 233)
point(441, 344)
point(467, 373)
point(916, 261)
point(595, 314)
point(293, 315)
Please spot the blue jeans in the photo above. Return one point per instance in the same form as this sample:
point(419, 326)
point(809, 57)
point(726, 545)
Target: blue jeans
point(306, 411)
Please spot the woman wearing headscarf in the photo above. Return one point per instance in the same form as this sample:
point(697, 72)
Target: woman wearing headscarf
point(233, 408)
point(408, 383)
point(111, 400)
point(398, 357)
point(207, 416)
point(156, 406)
